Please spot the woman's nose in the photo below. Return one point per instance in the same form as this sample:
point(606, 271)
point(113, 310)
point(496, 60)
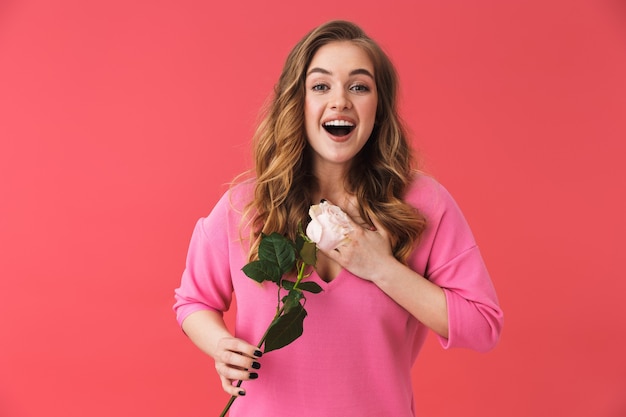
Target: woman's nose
point(340, 100)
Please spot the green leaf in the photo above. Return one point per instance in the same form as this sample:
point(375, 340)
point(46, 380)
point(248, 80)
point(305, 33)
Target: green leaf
point(288, 285)
point(299, 239)
point(292, 299)
point(308, 253)
point(277, 249)
point(262, 271)
point(310, 286)
point(285, 329)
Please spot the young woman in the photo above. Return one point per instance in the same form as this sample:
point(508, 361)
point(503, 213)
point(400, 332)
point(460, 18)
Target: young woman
point(411, 264)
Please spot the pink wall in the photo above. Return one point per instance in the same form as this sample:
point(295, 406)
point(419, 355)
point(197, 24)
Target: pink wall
point(121, 122)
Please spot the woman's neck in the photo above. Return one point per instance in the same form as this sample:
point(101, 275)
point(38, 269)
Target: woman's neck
point(331, 181)
point(332, 189)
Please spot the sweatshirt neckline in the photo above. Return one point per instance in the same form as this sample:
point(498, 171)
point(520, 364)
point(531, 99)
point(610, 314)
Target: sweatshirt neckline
point(329, 285)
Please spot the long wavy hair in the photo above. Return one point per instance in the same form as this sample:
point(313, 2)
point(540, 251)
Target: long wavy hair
point(379, 175)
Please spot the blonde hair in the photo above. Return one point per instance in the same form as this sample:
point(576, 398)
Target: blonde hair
point(381, 171)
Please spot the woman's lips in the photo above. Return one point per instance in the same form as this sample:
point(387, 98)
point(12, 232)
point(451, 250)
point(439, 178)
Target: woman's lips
point(339, 128)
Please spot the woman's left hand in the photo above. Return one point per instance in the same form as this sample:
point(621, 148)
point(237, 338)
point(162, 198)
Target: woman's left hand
point(366, 252)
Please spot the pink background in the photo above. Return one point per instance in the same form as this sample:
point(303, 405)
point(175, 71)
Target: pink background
point(122, 121)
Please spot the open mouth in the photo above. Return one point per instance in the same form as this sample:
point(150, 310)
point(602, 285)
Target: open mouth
point(338, 127)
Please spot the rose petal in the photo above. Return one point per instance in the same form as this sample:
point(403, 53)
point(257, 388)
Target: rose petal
point(314, 231)
point(329, 226)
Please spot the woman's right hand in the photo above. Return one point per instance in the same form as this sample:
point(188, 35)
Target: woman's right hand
point(236, 359)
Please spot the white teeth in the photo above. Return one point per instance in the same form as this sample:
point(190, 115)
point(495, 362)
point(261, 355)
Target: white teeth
point(338, 123)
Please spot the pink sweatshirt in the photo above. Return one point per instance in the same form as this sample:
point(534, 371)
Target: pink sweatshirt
point(358, 346)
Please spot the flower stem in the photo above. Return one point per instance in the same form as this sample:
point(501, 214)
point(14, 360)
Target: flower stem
point(234, 397)
point(300, 275)
point(276, 316)
point(230, 402)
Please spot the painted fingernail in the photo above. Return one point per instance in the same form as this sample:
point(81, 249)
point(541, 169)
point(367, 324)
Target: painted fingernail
point(254, 375)
point(242, 393)
point(258, 353)
point(256, 365)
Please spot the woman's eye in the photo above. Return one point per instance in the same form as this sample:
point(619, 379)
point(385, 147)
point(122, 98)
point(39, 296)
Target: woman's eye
point(360, 88)
point(319, 87)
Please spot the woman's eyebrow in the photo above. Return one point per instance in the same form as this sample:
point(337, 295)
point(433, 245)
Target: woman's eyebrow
point(361, 71)
point(318, 70)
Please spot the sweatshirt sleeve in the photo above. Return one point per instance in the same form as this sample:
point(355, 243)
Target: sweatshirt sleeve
point(206, 280)
point(455, 264)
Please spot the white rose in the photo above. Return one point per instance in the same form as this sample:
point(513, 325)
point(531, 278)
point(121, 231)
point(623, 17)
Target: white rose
point(329, 226)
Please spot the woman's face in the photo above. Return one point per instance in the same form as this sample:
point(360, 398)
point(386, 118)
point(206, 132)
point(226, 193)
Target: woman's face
point(340, 103)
